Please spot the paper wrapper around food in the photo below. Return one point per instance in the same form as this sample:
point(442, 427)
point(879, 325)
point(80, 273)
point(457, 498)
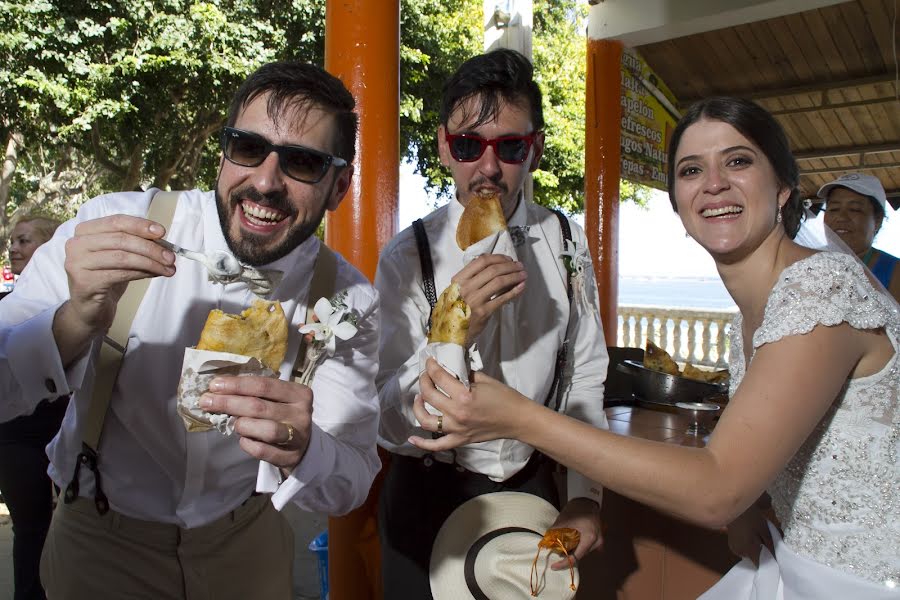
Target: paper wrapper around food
point(197, 370)
point(498, 242)
point(452, 357)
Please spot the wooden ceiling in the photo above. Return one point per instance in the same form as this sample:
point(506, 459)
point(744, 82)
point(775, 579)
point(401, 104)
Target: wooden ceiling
point(829, 75)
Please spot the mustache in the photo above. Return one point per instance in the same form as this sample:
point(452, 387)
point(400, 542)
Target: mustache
point(275, 200)
point(482, 181)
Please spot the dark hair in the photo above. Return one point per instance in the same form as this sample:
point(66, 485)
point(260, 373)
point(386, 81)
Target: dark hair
point(494, 77)
point(301, 86)
point(760, 127)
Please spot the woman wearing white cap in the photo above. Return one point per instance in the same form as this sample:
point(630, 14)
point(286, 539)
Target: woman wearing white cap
point(855, 206)
point(814, 410)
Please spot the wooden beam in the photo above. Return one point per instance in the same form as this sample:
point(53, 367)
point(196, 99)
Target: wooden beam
point(833, 106)
point(858, 167)
point(807, 88)
point(848, 151)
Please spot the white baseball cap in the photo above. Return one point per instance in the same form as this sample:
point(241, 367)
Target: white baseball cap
point(867, 185)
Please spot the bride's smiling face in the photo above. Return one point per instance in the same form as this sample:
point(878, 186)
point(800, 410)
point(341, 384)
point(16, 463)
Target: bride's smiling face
point(726, 191)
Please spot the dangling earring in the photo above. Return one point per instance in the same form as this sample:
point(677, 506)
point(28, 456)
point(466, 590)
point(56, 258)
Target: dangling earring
point(778, 217)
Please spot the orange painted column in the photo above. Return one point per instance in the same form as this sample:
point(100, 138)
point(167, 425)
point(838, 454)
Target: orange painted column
point(602, 168)
point(362, 48)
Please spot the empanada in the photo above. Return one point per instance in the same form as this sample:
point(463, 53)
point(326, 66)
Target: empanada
point(692, 372)
point(260, 331)
point(450, 318)
point(657, 359)
point(483, 216)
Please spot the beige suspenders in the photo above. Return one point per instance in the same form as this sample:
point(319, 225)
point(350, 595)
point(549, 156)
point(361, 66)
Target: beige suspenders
point(321, 286)
point(112, 351)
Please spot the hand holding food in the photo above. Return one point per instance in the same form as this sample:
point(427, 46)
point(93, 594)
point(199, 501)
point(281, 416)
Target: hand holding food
point(226, 342)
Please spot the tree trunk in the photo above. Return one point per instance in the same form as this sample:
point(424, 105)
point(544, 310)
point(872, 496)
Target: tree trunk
point(10, 161)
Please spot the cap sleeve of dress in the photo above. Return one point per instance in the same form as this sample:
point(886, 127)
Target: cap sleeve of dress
point(827, 288)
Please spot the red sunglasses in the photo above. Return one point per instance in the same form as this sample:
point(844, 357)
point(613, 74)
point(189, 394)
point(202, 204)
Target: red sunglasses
point(511, 149)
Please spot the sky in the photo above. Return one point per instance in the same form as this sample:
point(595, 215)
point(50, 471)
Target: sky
point(642, 233)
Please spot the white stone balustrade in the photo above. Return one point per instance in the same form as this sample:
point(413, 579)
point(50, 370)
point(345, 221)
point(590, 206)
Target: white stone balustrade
point(697, 336)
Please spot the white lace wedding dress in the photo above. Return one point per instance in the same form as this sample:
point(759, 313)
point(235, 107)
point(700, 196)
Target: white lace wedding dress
point(838, 499)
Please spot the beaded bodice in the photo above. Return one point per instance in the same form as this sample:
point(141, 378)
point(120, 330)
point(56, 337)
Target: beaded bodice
point(838, 499)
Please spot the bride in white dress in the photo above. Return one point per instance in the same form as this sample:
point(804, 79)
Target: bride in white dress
point(814, 413)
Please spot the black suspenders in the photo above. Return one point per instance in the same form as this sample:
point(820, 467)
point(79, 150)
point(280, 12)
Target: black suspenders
point(427, 267)
point(424, 248)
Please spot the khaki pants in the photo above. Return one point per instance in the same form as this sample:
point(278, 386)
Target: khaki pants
point(247, 554)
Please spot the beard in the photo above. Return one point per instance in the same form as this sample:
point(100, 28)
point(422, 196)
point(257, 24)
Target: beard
point(255, 249)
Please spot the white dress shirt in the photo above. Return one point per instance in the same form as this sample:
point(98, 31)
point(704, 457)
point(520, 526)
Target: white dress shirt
point(152, 468)
point(518, 346)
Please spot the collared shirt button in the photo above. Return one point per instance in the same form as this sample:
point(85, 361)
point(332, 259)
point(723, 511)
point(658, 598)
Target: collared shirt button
point(428, 461)
point(50, 385)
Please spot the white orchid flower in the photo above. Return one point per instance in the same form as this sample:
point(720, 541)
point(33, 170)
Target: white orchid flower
point(577, 256)
point(578, 260)
point(330, 326)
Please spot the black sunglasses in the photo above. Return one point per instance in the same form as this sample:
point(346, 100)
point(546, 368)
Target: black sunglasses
point(511, 149)
point(297, 162)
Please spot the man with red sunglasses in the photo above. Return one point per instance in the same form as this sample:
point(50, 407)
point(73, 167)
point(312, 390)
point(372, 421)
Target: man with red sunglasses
point(151, 509)
point(531, 333)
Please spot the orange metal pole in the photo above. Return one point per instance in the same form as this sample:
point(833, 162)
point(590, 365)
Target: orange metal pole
point(602, 168)
point(362, 48)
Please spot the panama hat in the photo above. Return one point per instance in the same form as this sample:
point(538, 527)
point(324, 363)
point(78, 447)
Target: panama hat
point(485, 549)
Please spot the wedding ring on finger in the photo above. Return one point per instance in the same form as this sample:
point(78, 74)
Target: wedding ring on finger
point(290, 435)
point(440, 427)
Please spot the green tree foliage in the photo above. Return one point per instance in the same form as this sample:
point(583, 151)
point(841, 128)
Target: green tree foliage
point(436, 37)
point(108, 95)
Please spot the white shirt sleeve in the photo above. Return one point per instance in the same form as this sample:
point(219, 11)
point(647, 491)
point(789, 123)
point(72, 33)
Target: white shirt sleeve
point(31, 369)
point(341, 460)
point(404, 323)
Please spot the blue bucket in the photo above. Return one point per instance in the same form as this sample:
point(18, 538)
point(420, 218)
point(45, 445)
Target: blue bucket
point(319, 545)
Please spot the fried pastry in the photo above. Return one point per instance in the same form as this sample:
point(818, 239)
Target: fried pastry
point(692, 372)
point(657, 359)
point(260, 331)
point(483, 216)
point(450, 318)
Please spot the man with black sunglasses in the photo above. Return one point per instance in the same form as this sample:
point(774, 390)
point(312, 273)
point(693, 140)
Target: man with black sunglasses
point(536, 327)
point(151, 509)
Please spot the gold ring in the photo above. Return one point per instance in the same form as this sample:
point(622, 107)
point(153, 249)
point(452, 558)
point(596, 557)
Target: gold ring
point(290, 436)
point(440, 427)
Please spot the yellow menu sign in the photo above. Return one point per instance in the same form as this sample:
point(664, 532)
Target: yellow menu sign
point(648, 117)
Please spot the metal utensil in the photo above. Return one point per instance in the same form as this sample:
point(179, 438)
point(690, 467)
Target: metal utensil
point(224, 268)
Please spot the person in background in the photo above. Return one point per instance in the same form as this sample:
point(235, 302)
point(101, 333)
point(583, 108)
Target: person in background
point(490, 138)
point(814, 410)
point(195, 514)
point(26, 487)
point(855, 209)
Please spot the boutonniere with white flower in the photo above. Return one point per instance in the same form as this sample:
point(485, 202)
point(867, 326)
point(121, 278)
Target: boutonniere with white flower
point(576, 260)
point(333, 321)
